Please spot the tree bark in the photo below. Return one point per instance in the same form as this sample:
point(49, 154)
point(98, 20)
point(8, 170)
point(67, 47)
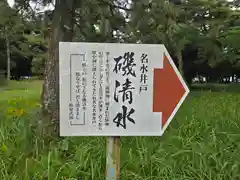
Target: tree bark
point(8, 57)
point(62, 30)
point(180, 63)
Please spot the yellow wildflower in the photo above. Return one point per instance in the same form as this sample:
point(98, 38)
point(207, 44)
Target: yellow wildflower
point(21, 112)
point(16, 112)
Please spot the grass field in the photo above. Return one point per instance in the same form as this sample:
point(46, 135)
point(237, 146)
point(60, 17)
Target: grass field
point(202, 143)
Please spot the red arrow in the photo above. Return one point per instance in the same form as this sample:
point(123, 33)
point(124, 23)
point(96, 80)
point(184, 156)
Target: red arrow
point(167, 90)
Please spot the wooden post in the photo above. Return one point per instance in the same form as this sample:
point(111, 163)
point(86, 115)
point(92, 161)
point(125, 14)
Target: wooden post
point(113, 158)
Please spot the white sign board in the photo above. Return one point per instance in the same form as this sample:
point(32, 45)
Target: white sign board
point(107, 89)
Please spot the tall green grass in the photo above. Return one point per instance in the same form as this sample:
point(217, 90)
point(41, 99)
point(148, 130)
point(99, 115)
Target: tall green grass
point(202, 143)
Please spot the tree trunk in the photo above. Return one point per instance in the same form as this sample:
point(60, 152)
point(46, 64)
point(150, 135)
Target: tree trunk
point(180, 63)
point(62, 30)
point(8, 57)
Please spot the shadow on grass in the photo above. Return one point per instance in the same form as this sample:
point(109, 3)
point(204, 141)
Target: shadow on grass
point(233, 87)
point(21, 85)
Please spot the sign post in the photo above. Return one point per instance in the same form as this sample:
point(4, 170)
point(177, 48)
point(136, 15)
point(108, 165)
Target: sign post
point(113, 90)
point(113, 158)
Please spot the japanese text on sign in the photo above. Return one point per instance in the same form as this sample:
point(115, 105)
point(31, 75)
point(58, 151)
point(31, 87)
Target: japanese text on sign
point(143, 71)
point(126, 65)
point(100, 97)
point(107, 90)
point(94, 86)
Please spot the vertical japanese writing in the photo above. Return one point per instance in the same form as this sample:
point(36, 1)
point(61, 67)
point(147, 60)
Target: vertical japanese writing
point(78, 85)
point(94, 93)
point(143, 72)
point(100, 97)
point(107, 90)
point(71, 117)
point(126, 65)
point(84, 85)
